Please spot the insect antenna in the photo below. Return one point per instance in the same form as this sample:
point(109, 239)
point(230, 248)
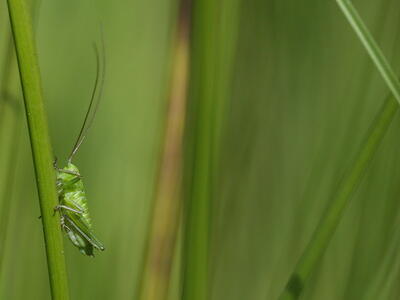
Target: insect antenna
point(95, 98)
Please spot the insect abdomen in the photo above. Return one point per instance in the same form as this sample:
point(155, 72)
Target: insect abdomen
point(78, 198)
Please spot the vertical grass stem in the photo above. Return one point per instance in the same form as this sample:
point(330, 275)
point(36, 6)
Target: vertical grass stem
point(40, 143)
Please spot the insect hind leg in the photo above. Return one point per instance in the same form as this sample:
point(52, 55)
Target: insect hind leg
point(71, 235)
point(69, 172)
point(60, 206)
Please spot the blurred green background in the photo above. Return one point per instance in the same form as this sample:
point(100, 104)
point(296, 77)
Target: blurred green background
point(302, 93)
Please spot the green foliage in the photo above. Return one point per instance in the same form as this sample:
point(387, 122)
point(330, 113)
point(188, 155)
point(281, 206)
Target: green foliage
point(300, 94)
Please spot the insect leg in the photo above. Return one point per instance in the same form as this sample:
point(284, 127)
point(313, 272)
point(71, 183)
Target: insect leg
point(58, 207)
point(59, 187)
point(77, 205)
point(71, 234)
point(69, 172)
point(55, 163)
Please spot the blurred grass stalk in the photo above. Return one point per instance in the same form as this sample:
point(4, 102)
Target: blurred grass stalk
point(7, 99)
point(10, 97)
point(21, 25)
point(213, 44)
point(7, 77)
point(371, 47)
point(167, 205)
point(329, 222)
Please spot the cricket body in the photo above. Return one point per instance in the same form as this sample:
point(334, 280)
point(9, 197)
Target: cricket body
point(73, 205)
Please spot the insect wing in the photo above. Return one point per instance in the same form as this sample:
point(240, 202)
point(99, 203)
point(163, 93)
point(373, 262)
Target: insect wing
point(81, 227)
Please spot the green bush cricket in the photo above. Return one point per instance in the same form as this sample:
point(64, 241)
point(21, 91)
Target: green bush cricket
point(73, 207)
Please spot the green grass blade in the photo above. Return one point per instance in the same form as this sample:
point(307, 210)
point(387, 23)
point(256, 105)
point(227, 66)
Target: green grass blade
point(40, 142)
point(199, 141)
point(348, 185)
point(5, 82)
point(371, 46)
point(6, 192)
point(350, 181)
point(215, 25)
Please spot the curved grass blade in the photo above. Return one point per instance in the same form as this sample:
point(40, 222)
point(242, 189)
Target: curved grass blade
point(332, 217)
point(352, 178)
